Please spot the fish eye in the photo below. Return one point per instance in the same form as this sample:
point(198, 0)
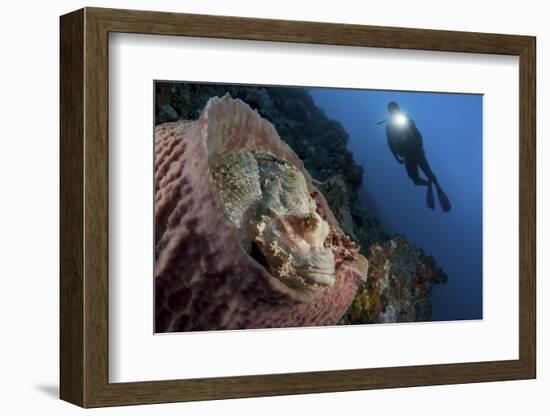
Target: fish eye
point(311, 222)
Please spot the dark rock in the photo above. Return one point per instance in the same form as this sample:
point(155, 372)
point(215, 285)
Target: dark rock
point(167, 113)
point(259, 99)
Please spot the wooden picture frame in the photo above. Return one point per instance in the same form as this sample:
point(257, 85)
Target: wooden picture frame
point(84, 207)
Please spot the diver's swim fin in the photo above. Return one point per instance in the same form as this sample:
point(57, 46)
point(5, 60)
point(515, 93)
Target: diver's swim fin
point(443, 199)
point(430, 196)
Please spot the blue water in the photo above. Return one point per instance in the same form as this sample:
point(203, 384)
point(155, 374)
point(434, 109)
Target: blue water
point(451, 126)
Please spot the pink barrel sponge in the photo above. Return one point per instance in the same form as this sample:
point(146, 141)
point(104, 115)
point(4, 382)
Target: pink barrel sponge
point(242, 237)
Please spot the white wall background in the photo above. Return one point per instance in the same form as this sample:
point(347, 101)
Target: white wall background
point(29, 161)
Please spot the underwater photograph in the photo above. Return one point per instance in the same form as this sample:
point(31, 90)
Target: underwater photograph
point(280, 206)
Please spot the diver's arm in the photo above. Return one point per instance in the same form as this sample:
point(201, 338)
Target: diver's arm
point(392, 139)
point(399, 160)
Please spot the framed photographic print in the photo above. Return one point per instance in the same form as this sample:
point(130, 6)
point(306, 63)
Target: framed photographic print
point(255, 207)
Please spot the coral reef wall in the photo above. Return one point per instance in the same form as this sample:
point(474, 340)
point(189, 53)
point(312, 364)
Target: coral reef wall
point(321, 143)
point(398, 285)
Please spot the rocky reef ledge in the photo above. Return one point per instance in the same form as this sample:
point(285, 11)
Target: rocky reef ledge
point(398, 285)
point(400, 276)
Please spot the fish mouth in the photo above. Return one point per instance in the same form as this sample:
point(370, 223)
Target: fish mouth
point(290, 258)
point(305, 280)
point(317, 277)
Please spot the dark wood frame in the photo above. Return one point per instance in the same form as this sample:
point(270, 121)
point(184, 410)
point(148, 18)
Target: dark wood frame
point(84, 212)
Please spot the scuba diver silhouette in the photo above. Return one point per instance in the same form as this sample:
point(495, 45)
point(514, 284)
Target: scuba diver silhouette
point(406, 145)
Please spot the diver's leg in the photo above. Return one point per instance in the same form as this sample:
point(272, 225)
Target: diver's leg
point(425, 166)
point(412, 171)
point(441, 195)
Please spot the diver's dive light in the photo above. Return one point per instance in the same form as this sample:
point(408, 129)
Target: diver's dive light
point(399, 119)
